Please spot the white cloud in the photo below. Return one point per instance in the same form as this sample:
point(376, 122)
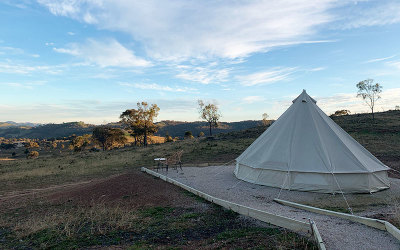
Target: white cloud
point(26, 85)
point(253, 99)
point(389, 99)
point(14, 68)
point(266, 77)
point(379, 59)
point(395, 64)
point(156, 87)
point(370, 13)
point(317, 69)
point(203, 74)
point(185, 29)
point(104, 53)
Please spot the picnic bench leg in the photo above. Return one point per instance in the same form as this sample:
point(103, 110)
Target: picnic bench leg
point(180, 165)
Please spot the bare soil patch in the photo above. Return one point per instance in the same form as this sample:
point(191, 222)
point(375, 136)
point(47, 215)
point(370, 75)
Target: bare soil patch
point(135, 189)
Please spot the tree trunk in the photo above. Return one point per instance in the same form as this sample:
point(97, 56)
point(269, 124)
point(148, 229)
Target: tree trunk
point(145, 136)
point(210, 129)
point(373, 115)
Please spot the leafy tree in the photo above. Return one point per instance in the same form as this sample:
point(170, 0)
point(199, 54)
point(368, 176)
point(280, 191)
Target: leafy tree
point(188, 135)
point(31, 144)
point(341, 112)
point(141, 120)
point(264, 121)
point(397, 107)
point(210, 113)
point(201, 134)
point(79, 143)
point(109, 137)
point(369, 92)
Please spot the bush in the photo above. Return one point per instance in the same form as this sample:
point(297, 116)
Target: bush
point(168, 138)
point(33, 155)
point(341, 112)
point(188, 135)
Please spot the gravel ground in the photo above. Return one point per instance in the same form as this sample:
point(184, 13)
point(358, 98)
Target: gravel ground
point(219, 181)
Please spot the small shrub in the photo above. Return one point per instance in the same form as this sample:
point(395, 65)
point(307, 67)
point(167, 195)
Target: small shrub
point(188, 135)
point(33, 155)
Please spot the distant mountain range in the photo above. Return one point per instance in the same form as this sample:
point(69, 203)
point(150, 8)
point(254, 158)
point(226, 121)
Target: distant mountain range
point(11, 129)
point(46, 131)
point(9, 124)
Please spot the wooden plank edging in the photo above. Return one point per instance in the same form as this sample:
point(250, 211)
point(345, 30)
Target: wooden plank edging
point(317, 236)
point(277, 220)
point(375, 223)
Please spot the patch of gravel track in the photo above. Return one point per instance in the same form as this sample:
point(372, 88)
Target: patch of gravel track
point(219, 181)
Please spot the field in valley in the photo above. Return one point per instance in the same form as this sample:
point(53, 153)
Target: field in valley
point(88, 198)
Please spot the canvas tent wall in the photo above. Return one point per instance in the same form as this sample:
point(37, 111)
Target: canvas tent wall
point(306, 150)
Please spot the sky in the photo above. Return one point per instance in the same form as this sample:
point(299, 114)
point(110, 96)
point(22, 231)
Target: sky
point(89, 60)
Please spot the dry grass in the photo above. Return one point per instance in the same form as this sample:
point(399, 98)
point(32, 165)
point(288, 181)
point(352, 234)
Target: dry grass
point(75, 167)
point(97, 219)
point(69, 226)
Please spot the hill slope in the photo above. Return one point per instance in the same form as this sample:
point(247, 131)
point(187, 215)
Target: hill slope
point(177, 129)
point(47, 131)
point(174, 128)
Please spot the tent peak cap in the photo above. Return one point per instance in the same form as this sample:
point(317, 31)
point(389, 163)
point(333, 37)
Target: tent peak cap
point(304, 97)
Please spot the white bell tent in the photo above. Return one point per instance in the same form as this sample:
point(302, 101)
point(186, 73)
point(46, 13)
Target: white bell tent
point(306, 150)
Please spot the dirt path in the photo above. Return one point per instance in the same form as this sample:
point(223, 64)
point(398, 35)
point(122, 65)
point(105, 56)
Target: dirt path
point(337, 233)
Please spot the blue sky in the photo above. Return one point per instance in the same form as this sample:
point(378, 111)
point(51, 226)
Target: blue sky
point(90, 60)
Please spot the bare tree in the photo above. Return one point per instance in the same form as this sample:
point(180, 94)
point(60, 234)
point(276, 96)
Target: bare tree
point(369, 92)
point(210, 113)
point(265, 122)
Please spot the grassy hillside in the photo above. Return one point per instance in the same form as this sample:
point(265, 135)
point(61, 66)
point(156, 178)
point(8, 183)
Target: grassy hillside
point(177, 129)
point(174, 128)
point(9, 124)
point(47, 131)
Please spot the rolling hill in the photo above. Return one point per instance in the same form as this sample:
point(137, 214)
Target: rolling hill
point(174, 128)
point(178, 129)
